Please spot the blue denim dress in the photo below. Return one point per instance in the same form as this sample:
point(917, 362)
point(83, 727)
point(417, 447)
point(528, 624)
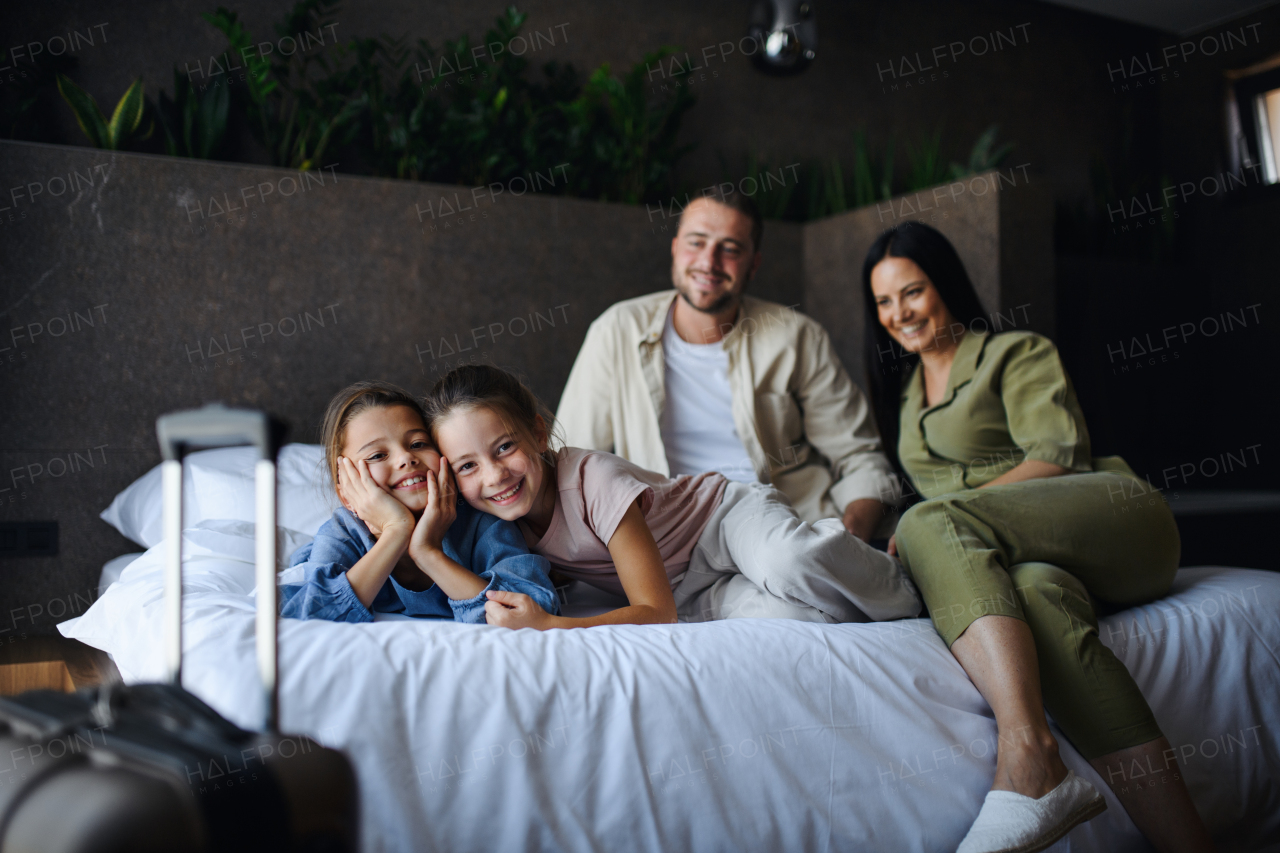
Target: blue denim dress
point(481, 543)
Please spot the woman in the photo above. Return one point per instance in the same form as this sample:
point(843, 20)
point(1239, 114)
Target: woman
point(1020, 526)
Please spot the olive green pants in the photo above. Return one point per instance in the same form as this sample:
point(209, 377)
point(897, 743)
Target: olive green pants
point(1035, 551)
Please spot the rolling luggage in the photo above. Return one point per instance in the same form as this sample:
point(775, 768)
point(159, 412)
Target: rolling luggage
point(149, 767)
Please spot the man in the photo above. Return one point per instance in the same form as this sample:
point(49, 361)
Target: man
point(705, 378)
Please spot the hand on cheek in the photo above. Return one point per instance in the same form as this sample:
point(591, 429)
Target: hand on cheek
point(437, 516)
point(367, 500)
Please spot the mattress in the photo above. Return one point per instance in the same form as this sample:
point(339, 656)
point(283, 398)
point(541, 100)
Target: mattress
point(737, 735)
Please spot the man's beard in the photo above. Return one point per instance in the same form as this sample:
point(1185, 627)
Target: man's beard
point(726, 300)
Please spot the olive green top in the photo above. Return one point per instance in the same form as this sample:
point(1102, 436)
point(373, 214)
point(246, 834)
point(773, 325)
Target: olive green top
point(1008, 399)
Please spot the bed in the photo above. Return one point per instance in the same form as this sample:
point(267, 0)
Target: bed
point(737, 735)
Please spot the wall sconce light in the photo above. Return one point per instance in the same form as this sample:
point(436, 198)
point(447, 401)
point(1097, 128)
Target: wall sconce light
point(786, 32)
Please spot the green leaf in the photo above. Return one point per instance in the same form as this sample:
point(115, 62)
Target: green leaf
point(984, 155)
point(212, 119)
point(886, 174)
point(165, 111)
point(189, 106)
point(88, 116)
point(127, 116)
point(864, 192)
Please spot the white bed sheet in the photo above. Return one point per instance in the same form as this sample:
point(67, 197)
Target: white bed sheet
point(737, 735)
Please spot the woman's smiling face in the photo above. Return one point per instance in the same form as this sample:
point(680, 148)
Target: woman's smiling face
point(909, 306)
point(395, 444)
point(495, 474)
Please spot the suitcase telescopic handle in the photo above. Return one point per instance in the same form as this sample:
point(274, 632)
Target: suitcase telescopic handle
point(216, 425)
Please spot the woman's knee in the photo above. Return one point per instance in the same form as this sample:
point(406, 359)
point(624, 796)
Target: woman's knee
point(1054, 600)
point(1039, 578)
point(1149, 524)
point(926, 521)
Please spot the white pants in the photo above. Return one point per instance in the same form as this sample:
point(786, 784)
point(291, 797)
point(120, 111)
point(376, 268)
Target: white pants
point(756, 558)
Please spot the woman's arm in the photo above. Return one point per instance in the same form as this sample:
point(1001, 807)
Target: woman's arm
point(1042, 413)
point(1028, 469)
point(644, 579)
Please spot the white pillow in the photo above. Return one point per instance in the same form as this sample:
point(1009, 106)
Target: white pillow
point(218, 485)
point(234, 540)
point(217, 549)
point(217, 569)
point(111, 571)
point(135, 512)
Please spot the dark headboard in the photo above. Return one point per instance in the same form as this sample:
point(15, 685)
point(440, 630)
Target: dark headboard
point(132, 285)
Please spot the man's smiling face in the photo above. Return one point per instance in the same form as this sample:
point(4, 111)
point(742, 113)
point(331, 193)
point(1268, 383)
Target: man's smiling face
point(712, 256)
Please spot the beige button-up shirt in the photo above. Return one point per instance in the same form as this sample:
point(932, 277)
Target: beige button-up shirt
point(808, 429)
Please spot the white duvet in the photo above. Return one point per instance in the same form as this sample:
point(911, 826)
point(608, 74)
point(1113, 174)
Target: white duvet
point(740, 735)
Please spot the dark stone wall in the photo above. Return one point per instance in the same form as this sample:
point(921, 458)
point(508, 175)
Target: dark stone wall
point(133, 296)
point(135, 285)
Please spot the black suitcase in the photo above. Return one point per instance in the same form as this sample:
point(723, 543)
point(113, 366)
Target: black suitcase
point(149, 767)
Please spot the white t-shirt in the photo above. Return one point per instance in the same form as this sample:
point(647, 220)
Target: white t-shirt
point(697, 420)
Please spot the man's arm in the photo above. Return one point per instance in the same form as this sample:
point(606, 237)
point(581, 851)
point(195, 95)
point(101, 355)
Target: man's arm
point(862, 517)
point(584, 415)
point(839, 423)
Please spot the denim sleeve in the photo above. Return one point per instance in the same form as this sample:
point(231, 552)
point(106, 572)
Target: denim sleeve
point(325, 592)
point(433, 602)
point(303, 554)
point(502, 558)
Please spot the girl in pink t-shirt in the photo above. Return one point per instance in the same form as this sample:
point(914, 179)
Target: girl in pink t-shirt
point(690, 547)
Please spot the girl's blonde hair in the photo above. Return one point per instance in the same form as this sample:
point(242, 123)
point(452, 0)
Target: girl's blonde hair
point(472, 385)
point(352, 401)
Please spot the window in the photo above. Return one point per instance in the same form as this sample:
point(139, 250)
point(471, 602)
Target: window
point(1254, 120)
point(1267, 106)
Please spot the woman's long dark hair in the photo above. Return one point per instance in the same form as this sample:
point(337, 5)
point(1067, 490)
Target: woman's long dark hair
point(886, 362)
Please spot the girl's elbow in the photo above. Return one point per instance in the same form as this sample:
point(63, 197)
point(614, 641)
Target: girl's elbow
point(664, 614)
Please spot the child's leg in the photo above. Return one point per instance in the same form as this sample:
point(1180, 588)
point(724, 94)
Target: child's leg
point(818, 566)
point(713, 588)
point(733, 596)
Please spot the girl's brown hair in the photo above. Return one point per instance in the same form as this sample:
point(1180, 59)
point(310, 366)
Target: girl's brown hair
point(352, 401)
point(472, 385)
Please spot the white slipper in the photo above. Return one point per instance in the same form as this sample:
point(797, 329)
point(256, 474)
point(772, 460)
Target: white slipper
point(1012, 823)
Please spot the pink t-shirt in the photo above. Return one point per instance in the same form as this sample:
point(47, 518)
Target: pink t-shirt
point(596, 488)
